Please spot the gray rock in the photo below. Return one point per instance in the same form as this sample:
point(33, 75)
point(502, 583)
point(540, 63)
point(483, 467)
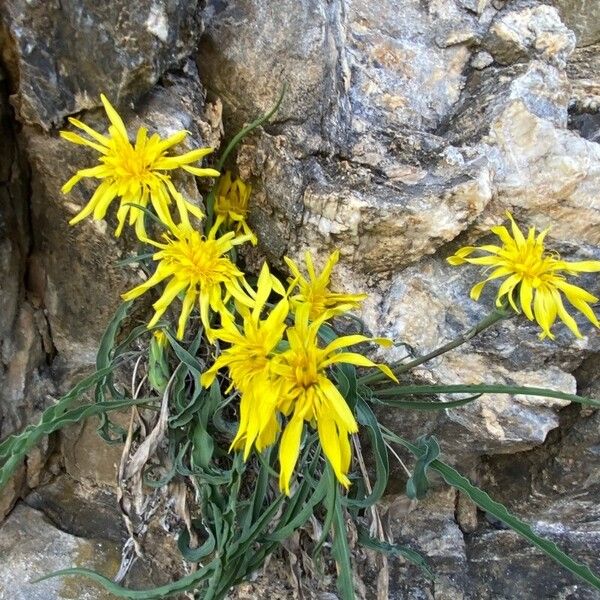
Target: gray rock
point(481, 60)
point(429, 527)
point(404, 134)
point(529, 32)
point(87, 457)
point(32, 547)
point(88, 510)
point(64, 54)
point(378, 224)
point(11, 492)
point(503, 566)
point(583, 69)
point(583, 17)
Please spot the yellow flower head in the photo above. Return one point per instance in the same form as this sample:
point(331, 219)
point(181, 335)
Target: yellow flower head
point(248, 359)
point(135, 173)
point(536, 277)
point(160, 338)
point(307, 394)
point(315, 291)
point(231, 205)
point(197, 267)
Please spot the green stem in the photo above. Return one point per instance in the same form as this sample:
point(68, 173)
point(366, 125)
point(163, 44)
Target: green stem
point(210, 200)
point(482, 388)
point(496, 315)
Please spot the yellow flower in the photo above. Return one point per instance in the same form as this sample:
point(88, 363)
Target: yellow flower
point(538, 276)
point(197, 267)
point(315, 291)
point(231, 205)
point(137, 174)
point(160, 338)
point(248, 359)
point(309, 395)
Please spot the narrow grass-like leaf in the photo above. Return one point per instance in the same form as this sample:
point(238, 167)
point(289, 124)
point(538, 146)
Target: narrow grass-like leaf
point(410, 555)
point(418, 484)
point(195, 554)
point(147, 212)
point(184, 356)
point(367, 419)
point(329, 504)
point(481, 499)
point(302, 513)
point(249, 128)
point(481, 388)
point(341, 553)
point(210, 200)
point(425, 405)
point(184, 584)
point(134, 259)
point(107, 343)
point(14, 448)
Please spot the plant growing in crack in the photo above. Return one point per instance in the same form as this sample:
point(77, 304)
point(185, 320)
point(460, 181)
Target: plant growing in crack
point(251, 400)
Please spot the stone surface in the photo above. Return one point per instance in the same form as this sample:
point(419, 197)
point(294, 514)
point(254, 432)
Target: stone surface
point(430, 528)
point(403, 135)
point(31, 547)
point(87, 457)
point(65, 54)
point(11, 492)
point(583, 71)
point(527, 33)
point(583, 17)
point(83, 509)
point(503, 566)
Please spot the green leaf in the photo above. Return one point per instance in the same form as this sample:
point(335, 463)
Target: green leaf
point(426, 405)
point(341, 553)
point(202, 446)
point(481, 499)
point(195, 554)
point(417, 484)
point(249, 128)
point(184, 356)
point(481, 388)
point(134, 259)
point(367, 419)
point(147, 212)
point(14, 448)
point(184, 584)
point(410, 555)
point(346, 377)
point(299, 510)
point(103, 358)
point(331, 498)
point(210, 200)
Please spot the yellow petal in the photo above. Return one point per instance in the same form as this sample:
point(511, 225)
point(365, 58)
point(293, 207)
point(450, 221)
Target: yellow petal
point(564, 316)
point(289, 449)
point(526, 297)
point(114, 117)
point(330, 442)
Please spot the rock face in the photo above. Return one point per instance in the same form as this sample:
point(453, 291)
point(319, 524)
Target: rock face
point(66, 54)
point(32, 547)
point(402, 151)
point(403, 135)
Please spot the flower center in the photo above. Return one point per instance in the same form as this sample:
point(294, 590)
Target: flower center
point(305, 370)
point(531, 264)
point(199, 261)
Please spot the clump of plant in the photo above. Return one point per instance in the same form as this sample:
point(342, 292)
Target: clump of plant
point(252, 398)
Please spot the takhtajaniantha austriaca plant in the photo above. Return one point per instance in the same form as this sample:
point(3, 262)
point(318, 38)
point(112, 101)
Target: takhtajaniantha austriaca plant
point(254, 400)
